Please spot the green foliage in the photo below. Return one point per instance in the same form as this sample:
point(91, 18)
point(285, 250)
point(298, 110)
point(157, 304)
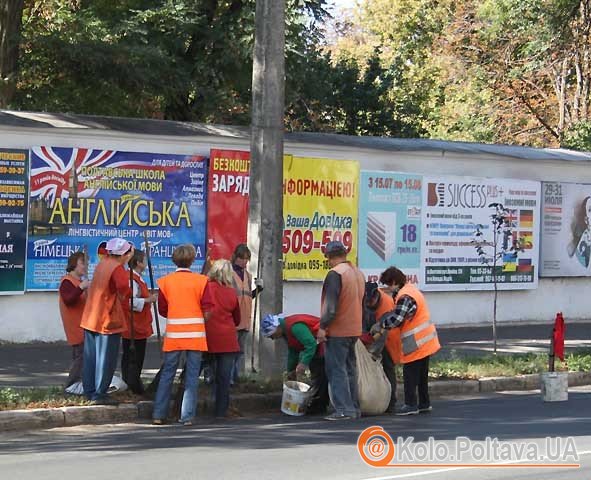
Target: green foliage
point(174, 59)
point(13, 398)
point(510, 71)
point(502, 365)
point(578, 137)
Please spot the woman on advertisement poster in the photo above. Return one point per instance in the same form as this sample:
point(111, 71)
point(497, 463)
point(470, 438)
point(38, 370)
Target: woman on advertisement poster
point(582, 233)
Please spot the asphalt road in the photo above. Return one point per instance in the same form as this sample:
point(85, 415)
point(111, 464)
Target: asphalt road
point(46, 364)
point(286, 448)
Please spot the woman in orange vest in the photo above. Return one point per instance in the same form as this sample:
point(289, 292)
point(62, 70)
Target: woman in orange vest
point(179, 300)
point(243, 285)
point(104, 320)
point(72, 298)
point(142, 322)
point(222, 316)
point(418, 337)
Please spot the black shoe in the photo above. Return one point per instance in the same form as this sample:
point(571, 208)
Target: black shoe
point(407, 410)
point(425, 408)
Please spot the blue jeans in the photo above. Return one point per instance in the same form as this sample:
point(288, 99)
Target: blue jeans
point(162, 400)
point(99, 363)
point(341, 370)
point(223, 364)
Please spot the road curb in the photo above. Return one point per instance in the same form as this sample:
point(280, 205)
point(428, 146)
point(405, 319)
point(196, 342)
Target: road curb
point(42, 418)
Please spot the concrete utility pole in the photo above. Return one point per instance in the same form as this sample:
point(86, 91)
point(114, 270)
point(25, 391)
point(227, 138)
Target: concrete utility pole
point(265, 227)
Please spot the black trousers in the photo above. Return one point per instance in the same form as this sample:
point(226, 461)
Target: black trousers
point(416, 376)
point(75, 374)
point(390, 371)
point(126, 372)
point(320, 399)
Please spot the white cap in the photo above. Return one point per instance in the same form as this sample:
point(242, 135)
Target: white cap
point(118, 246)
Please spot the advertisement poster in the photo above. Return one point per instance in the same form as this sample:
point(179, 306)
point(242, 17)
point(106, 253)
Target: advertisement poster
point(14, 186)
point(566, 230)
point(454, 208)
point(389, 223)
point(320, 201)
point(82, 197)
point(227, 206)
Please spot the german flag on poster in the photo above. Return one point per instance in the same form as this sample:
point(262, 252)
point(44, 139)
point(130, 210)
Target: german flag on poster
point(526, 218)
point(510, 262)
point(526, 240)
point(525, 265)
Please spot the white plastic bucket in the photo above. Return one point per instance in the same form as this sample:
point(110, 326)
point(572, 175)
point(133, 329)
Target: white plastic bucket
point(554, 386)
point(295, 398)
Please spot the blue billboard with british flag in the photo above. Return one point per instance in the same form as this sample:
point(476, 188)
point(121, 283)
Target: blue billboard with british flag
point(81, 197)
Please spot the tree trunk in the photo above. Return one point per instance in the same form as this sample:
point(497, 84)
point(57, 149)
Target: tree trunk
point(11, 12)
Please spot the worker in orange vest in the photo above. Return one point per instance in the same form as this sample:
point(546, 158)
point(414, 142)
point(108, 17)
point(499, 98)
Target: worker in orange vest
point(179, 300)
point(72, 298)
point(341, 313)
point(378, 302)
point(142, 301)
point(104, 319)
point(243, 285)
point(418, 337)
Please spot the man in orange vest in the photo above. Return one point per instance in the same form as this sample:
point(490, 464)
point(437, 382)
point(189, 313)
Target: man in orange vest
point(418, 337)
point(72, 298)
point(340, 327)
point(179, 300)
point(378, 302)
point(104, 319)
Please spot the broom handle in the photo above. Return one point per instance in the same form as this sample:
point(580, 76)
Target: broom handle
point(256, 310)
point(132, 343)
point(151, 272)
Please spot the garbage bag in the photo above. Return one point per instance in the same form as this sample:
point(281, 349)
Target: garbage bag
point(373, 387)
point(117, 385)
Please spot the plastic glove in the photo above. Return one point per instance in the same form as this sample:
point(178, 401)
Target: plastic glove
point(300, 369)
point(376, 328)
point(258, 282)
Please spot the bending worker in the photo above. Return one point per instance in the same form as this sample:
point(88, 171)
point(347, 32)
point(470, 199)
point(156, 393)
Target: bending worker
point(417, 334)
point(303, 352)
point(379, 301)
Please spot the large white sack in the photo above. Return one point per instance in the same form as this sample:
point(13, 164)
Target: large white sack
point(373, 387)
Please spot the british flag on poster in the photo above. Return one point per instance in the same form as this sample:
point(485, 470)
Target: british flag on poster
point(80, 197)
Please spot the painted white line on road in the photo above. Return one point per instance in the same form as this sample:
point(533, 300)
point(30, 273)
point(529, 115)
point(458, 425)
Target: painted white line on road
point(451, 469)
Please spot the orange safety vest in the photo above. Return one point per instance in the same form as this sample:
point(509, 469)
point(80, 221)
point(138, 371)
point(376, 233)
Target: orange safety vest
point(71, 315)
point(142, 321)
point(393, 346)
point(185, 325)
point(418, 335)
point(244, 293)
point(348, 318)
point(103, 312)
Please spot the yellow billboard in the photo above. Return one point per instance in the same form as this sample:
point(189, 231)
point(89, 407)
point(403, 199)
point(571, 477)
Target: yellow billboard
point(320, 202)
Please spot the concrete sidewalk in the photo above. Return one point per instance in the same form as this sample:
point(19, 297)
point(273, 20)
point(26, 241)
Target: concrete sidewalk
point(46, 364)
